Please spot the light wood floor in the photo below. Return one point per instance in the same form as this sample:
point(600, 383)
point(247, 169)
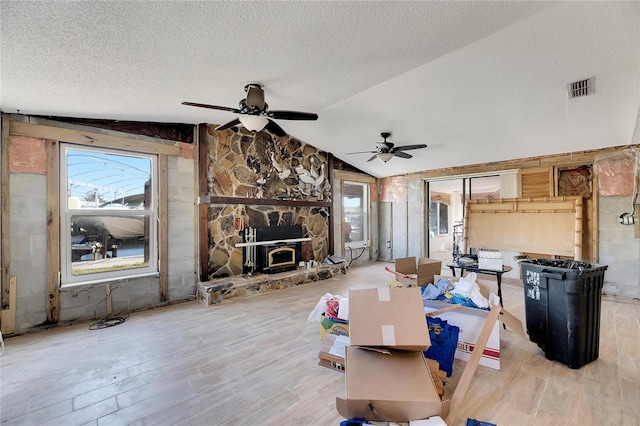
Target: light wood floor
point(254, 362)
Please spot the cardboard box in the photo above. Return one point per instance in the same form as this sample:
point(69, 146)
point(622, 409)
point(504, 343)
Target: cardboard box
point(420, 273)
point(398, 385)
point(388, 317)
point(470, 321)
point(332, 352)
point(491, 260)
point(333, 326)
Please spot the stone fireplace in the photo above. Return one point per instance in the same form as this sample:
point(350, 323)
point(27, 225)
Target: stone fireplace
point(270, 184)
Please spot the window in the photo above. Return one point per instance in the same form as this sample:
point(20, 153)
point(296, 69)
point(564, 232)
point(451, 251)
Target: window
point(108, 215)
point(439, 218)
point(355, 205)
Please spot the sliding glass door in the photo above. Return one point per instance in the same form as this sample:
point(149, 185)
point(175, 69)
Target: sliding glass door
point(446, 200)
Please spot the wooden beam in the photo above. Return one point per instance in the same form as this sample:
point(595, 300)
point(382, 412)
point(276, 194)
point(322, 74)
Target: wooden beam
point(212, 199)
point(352, 176)
point(53, 231)
point(163, 229)
point(202, 222)
point(8, 317)
point(472, 364)
point(203, 241)
point(332, 225)
point(5, 222)
point(92, 139)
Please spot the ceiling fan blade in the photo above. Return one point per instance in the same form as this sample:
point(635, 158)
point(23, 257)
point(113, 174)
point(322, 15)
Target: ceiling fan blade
point(292, 115)
point(408, 147)
point(274, 128)
point(255, 97)
point(362, 152)
point(373, 158)
point(402, 154)
point(229, 125)
point(221, 108)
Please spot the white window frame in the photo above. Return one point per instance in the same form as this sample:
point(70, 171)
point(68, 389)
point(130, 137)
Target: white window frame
point(364, 242)
point(439, 205)
point(150, 211)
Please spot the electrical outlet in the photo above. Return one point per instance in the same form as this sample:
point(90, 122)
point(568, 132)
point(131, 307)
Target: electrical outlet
point(626, 219)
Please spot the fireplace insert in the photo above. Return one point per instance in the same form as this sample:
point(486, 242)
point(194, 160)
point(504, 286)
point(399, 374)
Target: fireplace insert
point(277, 249)
point(278, 257)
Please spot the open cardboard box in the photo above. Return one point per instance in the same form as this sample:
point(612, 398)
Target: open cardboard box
point(470, 322)
point(384, 383)
point(420, 273)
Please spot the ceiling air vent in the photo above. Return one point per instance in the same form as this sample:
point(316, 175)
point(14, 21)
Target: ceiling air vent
point(581, 88)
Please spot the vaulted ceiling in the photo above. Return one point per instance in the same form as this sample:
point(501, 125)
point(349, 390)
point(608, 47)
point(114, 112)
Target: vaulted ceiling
point(476, 81)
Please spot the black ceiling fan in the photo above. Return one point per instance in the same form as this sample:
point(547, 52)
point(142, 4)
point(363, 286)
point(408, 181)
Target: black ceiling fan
point(254, 112)
point(387, 150)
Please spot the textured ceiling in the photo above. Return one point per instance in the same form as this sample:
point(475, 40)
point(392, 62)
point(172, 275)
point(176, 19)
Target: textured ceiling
point(476, 81)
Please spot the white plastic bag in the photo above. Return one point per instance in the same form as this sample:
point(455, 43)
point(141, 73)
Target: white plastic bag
point(320, 308)
point(468, 287)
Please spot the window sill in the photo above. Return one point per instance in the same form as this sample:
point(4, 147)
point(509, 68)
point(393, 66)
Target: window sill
point(357, 245)
point(88, 283)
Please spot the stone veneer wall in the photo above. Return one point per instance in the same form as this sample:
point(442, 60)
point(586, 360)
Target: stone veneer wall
point(260, 165)
point(248, 166)
point(225, 259)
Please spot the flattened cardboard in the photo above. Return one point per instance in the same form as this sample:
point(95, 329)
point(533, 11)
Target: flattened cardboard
point(388, 317)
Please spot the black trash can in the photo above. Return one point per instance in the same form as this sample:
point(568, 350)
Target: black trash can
point(562, 306)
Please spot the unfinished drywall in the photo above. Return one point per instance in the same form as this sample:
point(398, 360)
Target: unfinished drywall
point(385, 218)
point(619, 248)
point(28, 252)
point(394, 190)
point(415, 217)
point(181, 227)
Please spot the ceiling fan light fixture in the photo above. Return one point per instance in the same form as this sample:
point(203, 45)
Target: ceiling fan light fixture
point(255, 123)
point(385, 156)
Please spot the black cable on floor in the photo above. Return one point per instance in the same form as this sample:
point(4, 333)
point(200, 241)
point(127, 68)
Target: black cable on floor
point(357, 257)
point(109, 321)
